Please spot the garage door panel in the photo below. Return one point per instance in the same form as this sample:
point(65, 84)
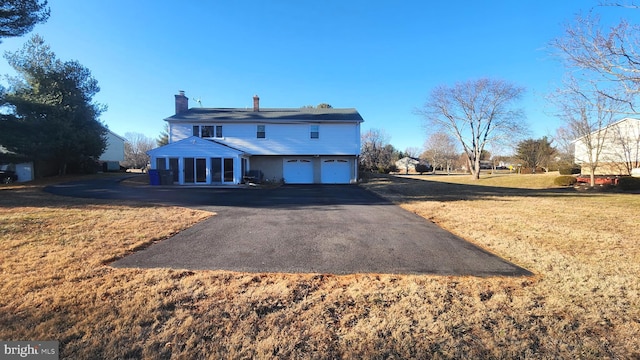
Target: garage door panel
point(298, 171)
point(335, 171)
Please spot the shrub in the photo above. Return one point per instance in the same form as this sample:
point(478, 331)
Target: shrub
point(629, 183)
point(569, 170)
point(565, 180)
point(422, 168)
point(386, 170)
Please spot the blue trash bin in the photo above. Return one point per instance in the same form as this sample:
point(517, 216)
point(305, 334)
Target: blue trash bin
point(154, 177)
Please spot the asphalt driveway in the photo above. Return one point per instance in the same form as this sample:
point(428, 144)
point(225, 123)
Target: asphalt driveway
point(337, 229)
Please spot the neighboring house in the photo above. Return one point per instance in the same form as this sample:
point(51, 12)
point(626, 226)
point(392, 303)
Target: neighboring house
point(407, 164)
point(225, 145)
point(25, 168)
point(16, 163)
point(620, 150)
point(114, 153)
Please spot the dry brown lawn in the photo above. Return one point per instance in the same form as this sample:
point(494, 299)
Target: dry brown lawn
point(56, 283)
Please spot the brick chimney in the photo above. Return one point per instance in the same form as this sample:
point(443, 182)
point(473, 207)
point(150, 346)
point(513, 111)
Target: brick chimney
point(182, 103)
point(256, 103)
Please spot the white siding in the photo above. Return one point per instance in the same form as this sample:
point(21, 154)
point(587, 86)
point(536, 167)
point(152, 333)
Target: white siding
point(115, 148)
point(24, 171)
point(621, 135)
point(285, 139)
point(178, 132)
point(620, 148)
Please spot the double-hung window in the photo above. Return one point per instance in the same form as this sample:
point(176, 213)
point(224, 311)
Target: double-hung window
point(314, 132)
point(260, 132)
point(207, 131)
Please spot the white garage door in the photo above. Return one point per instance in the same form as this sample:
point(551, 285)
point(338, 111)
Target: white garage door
point(298, 171)
point(335, 171)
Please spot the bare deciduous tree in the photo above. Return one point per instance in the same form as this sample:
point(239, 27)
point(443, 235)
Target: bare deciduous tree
point(376, 152)
point(135, 150)
point(440, 151)
point(625, 4)
point(604, 80)
point(412, 152)
point(609, 58)
point(565, 145)
point(163, 138)
point(476, 113)
point(626, 138)
point(588, 114)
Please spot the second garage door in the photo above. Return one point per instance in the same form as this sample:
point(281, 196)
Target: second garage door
point(335, 171)
point(298, 171)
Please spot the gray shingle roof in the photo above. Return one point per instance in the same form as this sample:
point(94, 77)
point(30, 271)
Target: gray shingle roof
point(268, 115)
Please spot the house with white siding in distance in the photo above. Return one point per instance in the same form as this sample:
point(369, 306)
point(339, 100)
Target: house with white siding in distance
point(231, 145)
point(617, 147)
point(113, 153)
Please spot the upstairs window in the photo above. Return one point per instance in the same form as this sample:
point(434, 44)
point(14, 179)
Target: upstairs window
point(314, 132)
point(207, 131)
point(260, 132)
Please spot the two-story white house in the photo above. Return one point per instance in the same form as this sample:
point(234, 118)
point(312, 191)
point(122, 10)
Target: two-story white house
point(225, 145)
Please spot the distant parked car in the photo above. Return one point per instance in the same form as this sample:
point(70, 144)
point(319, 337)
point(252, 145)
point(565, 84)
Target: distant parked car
point(8, 174)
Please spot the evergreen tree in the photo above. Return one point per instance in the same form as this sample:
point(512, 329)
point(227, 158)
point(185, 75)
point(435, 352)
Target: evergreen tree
point(18, 17)
point(536, 153)
point(52, 116)
point(163, 138)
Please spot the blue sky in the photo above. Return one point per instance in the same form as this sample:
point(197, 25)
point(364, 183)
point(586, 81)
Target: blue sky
point(380, 57)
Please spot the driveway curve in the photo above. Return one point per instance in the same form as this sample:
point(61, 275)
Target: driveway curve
point(338, 229)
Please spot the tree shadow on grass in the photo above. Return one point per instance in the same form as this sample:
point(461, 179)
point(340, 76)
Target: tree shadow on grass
point(411, 189)
point(36, 196)
point(283, 197)
point(292, 197)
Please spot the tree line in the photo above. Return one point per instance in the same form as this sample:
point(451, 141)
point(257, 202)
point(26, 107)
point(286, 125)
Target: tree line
point(600, 85)
point(441, 153)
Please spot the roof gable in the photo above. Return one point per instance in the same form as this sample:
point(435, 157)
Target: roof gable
point(408, 160)
point(195, 146)
point(116, 135)
point(612, 125)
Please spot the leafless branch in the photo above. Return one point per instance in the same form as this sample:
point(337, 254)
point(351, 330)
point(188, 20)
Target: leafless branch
point(476, 113)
